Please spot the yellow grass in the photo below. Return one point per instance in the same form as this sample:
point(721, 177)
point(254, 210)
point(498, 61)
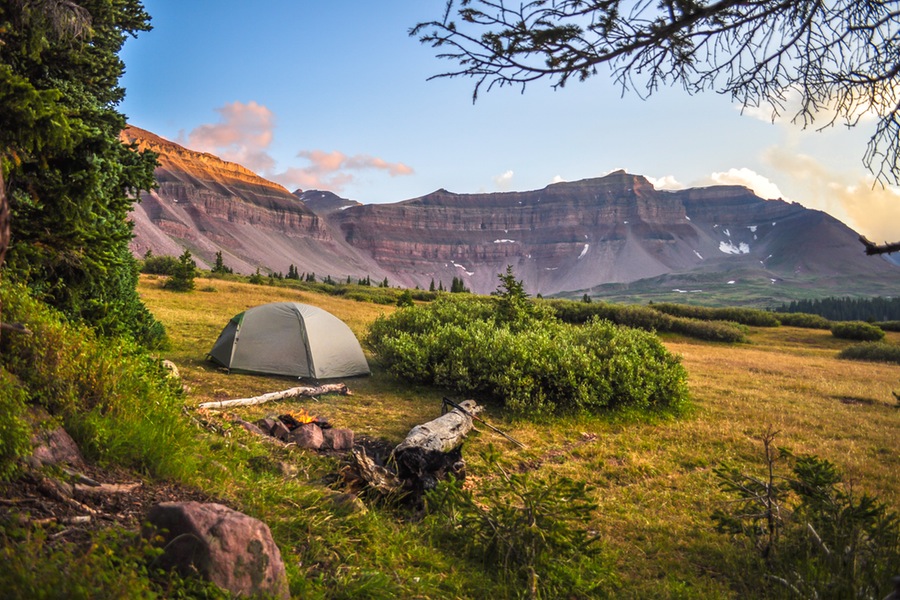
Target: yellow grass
point(653, 481)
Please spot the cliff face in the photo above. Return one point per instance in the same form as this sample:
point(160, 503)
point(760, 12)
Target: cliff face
point(207, 205)
point(567, 236)
point(614, 229)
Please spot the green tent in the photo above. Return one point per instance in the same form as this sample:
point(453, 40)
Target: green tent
point(289, 338)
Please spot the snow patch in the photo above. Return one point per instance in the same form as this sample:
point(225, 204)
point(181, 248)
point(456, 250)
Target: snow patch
point(752, 228)
point(773, 280)
point(687, 291)
point(726, 232)
point(584, 251)
point(687, 217)
point(344, 207)
point(729, 248)
point(550, 268)
point(700, 256)
point(732, 282)
point(504, 241)
point(625, 222)
point(459, 266)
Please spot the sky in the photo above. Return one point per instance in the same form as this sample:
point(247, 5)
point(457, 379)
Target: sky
point(335, 95)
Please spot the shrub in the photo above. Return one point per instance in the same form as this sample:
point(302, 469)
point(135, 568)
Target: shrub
point(872, 351)
point(888, 325)
point(857, 330)
point(532, 533)
point(15, 435)
point(812, 535)
point(160, 265)
point(648, 319)
point(805, 320)
point(745, 316)
point(536, 367)
point(111, 395)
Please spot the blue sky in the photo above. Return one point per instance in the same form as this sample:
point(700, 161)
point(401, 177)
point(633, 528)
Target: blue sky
point(335, 95)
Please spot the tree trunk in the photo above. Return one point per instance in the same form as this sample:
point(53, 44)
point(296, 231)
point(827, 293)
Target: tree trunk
point(4, 231)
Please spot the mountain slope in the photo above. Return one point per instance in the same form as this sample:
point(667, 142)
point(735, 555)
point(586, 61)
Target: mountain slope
point(570, 236)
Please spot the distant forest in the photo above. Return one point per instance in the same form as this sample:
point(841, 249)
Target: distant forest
point(847, 309)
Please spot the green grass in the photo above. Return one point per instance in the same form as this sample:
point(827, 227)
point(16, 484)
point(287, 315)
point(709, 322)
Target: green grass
point(652, 480)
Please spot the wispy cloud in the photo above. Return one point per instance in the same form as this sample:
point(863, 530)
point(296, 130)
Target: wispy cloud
point(864, 205)
point(244, 134)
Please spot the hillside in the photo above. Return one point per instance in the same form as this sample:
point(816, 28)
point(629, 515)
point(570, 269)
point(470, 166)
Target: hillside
point(568, 238)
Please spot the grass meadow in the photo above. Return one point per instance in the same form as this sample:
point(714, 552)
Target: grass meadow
point(652, 480)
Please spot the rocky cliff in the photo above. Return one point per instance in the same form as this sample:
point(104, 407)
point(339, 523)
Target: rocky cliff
point(207, 205)
point(567, 236)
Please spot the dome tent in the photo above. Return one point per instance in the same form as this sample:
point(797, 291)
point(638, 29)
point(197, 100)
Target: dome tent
point(289, 338)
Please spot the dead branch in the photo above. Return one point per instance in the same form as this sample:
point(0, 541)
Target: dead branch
point(873, 248)
point(296, 392)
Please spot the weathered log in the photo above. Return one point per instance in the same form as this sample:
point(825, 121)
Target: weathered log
point(296, 392)
point(432, 451)
point(443, 434)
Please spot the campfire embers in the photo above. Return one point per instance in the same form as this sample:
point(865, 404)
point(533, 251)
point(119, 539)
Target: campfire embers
point(306, 431)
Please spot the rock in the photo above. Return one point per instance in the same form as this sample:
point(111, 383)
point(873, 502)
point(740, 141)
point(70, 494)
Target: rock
point(55, 447)
point(267, 425)
point(308, 435)
point(234, 551)
point(252, 428)
point(338, 439)
point(280, 431)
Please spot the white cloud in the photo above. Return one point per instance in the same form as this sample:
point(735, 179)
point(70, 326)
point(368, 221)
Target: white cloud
point(557, 179)
point(761, 185)
point(504, 180)
point(666, 182)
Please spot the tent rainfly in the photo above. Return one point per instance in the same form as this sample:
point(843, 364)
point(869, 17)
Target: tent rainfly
point(289, 338)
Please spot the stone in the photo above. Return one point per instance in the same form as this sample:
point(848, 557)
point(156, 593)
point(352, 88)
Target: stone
point(251, 427)
point(55, 447)
point(308, 435)
point(281, 431)
point(266, 425)
point(338, 439)
point(232, 550)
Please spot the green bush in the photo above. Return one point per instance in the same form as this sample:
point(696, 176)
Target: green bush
point(805, 320)
point(160, 265)
point(872, 351)
point(116, 564)
point(745, 316)
point(533, 534)
point(648, 319)
point(536, 366)
point(808, 534)
point(15, 435)
point(111, 395)
point(857, 330)
point(888, 325)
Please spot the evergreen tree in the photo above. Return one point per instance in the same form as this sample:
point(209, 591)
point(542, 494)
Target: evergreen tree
point(431, 287)
point(219, 266)
point(182, 278)
point(68, 179)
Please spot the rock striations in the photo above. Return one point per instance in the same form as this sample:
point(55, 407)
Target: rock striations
point(567, 236)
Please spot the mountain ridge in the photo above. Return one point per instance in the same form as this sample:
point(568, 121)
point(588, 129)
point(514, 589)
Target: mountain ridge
point(563, 238)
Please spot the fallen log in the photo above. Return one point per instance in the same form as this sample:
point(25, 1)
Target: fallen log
point(296, 392)
point(432, 451)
